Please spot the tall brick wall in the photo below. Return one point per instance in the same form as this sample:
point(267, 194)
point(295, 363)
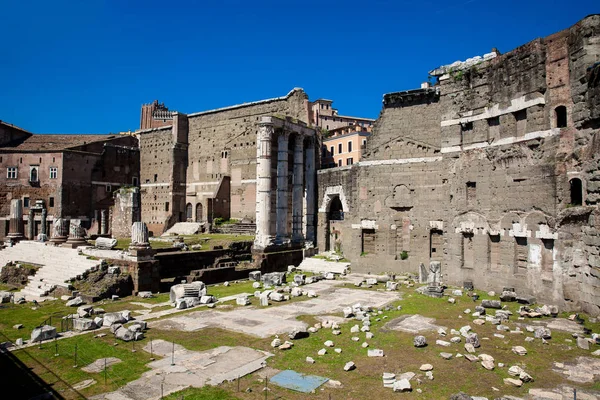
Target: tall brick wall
point(156, 160)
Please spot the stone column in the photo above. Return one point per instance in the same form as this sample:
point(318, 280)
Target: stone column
point(43, 230)
point(76, 234)
point(60, 231)
point(31, 225)
point(263, 185)
point(311, 177)
point(139, 235)
point(15, 229)
point(103, 222)
point(297, 193)
point(140, 245)
point(282, 186)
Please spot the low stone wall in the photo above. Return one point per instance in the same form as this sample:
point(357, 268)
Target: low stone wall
point(277, 261)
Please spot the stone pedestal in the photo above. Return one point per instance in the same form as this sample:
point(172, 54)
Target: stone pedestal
point(15, 230)
point(76, 235)
point(434, 285)
point(140, 245)
point(60, 231)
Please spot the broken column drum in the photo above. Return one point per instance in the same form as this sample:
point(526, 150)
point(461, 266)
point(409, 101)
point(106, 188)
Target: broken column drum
point(139, 235)
point(76, 234)
point(16, 220)
point(60, 230)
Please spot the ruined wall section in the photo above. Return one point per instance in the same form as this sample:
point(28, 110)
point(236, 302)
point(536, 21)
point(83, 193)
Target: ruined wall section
point(406, 131)
point(584, 52)
point(156, 160)
point(498, 99)
point(222, 143)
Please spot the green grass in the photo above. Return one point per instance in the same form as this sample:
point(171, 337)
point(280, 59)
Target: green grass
point(451, 376)
point(89, 349)
point(220, 291)
point(205, 393)
point(12, 314)
point(208, 241)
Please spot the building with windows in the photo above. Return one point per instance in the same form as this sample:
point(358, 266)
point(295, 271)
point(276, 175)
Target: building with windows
point(343, 146)
point(68, 176)
point(324, 116)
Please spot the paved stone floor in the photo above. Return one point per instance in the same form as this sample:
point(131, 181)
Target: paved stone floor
point(412, 324)
point(268, 321)
point(182, 368)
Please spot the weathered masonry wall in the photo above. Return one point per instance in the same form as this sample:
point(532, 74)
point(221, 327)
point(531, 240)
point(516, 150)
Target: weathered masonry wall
point(493, 172)
point(223, 144)
point(163, 159)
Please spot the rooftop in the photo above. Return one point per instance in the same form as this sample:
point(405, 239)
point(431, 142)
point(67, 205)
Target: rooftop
point(50, 142)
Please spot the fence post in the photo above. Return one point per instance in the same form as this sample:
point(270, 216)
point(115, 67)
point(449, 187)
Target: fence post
point(55, 347)
point(173, 355)
point(75, 366)
point(104, 371)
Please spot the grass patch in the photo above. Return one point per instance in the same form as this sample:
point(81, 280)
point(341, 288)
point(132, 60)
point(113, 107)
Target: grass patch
point(451, 376)
point(205, 393)
point(89, 349)
point(208, 241)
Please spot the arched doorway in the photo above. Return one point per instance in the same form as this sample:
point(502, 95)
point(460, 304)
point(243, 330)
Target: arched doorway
point(188, 212)
point(199, 212)
point(333, 233)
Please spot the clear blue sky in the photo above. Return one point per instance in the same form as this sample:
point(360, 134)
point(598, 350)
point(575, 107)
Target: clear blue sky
point(87, 66)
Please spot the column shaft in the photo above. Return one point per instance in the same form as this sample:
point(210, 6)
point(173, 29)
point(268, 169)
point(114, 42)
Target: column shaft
point(311, 176)
point(282, 186)
point(263, 186)
point(44, 219)
point(15, 228)
point(297, 192)
point(103, 222)
point(31, 225)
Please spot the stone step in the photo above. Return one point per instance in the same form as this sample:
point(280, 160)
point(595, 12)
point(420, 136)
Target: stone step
point(184, 228)
point(318, 265)
point(58, 265)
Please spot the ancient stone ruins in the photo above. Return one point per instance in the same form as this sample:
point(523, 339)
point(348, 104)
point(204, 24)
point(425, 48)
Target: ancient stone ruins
point(486, 177)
